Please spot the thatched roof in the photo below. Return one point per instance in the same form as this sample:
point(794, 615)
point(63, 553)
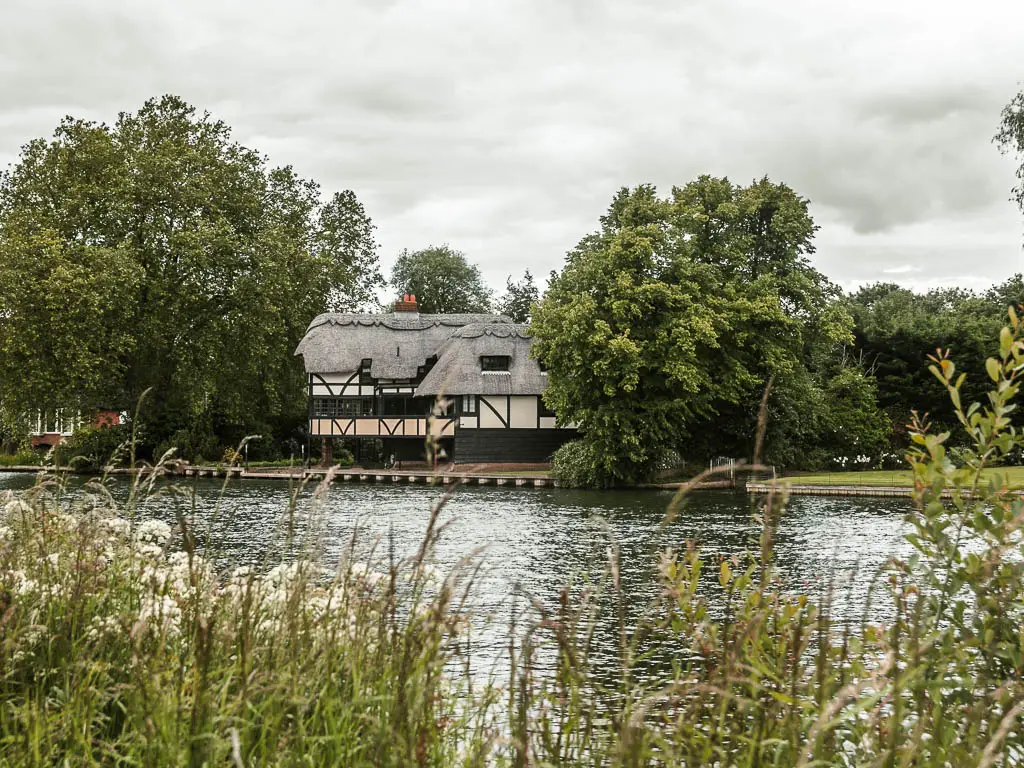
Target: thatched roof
point(457, 371)
point(397, 342)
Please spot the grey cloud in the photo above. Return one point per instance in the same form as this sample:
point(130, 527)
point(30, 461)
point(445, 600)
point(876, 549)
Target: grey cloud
point(504, 128)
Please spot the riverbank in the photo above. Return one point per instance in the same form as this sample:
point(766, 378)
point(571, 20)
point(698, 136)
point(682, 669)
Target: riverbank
point(896, 483)
point(876, 482)
point(492, 476)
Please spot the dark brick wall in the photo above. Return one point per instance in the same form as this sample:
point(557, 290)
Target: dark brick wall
point(412, 448)
point(513, 446)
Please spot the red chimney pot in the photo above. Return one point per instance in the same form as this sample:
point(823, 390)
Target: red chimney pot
point(407, 303)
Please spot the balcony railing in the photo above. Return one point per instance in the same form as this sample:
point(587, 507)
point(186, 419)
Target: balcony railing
point(382, 426)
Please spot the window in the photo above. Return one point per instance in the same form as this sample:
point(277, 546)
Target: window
point(350, 407)
point(542, 409)
point(494, 363)
point(341, 407)
point(392, 405)
point(468, 404)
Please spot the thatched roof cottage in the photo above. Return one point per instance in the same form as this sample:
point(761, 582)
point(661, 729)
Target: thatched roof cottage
point(380, 378)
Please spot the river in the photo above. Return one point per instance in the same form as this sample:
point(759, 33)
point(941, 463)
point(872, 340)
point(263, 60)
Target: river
point(538, 539)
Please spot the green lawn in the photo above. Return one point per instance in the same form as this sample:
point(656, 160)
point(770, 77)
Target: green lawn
point(897, 477)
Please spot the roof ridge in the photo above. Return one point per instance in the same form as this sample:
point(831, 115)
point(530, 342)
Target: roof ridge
point(406, 321)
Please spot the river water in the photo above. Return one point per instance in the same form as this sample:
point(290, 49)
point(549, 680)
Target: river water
point(536, 540)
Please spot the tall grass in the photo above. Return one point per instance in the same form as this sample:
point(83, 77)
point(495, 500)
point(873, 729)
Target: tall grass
point(116, 648)
point(120, 644)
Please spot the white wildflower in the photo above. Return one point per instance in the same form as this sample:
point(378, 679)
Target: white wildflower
point(242, 573)
point(19, 583)
point(17, 508)
point(150, 551)
point(318, 605)
point(101, 626)
point(359, 570)
point(154, 532)
point(283, 574)
point(116, 526)
point(65, 521)
point(179, 577)
point(27, 642)
point(160, 612)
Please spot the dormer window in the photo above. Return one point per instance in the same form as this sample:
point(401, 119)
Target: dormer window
point(494, 363)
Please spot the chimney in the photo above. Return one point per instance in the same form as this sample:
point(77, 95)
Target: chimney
point(407, 303)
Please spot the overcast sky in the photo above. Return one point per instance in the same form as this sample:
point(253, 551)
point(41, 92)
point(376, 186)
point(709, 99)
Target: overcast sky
point(504, 128)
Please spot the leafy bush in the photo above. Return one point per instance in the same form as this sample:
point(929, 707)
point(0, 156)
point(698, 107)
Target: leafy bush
point(343, 457)
point(91, 448)
point(231, 457)
point(23, 458)
point(191, 445)
point(282, 463)
point(574, 465)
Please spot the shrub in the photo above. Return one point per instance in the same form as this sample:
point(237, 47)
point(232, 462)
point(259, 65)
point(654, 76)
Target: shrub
point(574, 465)
point(190, 445)
point(91, 448)
point(23, 458)
point(343, 456)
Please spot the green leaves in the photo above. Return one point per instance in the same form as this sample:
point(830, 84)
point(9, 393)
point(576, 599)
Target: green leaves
point(1010, 138)
point(442, 280)
point(519, 298)
point(160, 253)
point(676, 313)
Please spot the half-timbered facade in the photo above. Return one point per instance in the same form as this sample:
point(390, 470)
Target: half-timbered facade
point(382, 377)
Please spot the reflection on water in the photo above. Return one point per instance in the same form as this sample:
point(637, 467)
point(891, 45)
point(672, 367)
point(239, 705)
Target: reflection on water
point(541, 538)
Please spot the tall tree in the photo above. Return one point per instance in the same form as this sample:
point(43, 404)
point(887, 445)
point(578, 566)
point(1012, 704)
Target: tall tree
point(442, 280)
point(759, 239)
point(665, 326)
point(896, 329)
point(519, 298)
point(184, 264)
point(1010, 138)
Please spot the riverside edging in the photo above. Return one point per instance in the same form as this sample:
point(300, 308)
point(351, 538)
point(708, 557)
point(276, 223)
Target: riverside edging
point(831, 490)
point(352, 475)
point(839, 490)
point(359, 475)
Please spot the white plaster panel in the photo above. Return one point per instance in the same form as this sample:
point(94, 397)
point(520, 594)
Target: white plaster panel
point(336, 378)
point(523, 412)
point(488, 420)
point(442, 428)
point(547, 422)
point(367, 427)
